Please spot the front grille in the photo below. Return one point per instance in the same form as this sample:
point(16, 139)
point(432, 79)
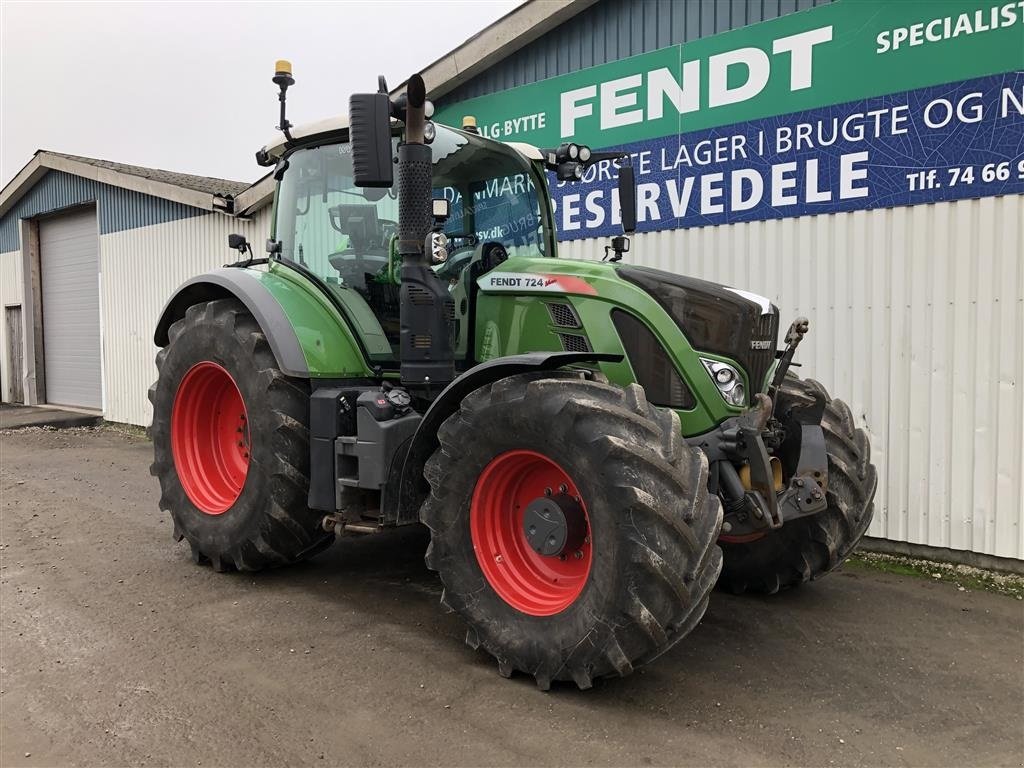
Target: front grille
point(572, 342)
point(653, 368)
point(759, 361)
point(563, 316)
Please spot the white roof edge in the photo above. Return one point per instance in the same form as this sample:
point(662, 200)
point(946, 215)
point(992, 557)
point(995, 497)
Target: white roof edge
point(255, 197)
point(45, 161)
point(513, 31)
point(22, 181)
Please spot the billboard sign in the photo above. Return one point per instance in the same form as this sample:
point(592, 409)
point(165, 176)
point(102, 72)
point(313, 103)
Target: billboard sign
point(854, 105)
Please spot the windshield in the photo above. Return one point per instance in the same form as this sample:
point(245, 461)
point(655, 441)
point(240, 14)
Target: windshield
point(342, 233)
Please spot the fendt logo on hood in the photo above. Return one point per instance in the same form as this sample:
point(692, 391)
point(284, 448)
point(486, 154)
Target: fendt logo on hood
point(519, 282)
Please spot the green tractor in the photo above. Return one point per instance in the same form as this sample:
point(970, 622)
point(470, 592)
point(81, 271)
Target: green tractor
point(592, 445)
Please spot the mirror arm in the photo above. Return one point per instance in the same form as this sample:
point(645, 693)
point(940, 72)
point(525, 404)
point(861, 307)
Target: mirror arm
point(596, 157)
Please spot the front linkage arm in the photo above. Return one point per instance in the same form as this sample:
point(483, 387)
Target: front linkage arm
point(795, 334)
point(753, 439)
point(759, 504)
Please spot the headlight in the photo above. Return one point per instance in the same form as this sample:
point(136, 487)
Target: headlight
point(438, 247)
point(728, 380)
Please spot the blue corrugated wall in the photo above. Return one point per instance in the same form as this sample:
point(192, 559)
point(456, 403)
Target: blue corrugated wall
point(614, 29)
point(118, 208)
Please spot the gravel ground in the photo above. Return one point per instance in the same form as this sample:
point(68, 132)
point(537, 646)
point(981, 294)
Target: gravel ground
point(116, 650)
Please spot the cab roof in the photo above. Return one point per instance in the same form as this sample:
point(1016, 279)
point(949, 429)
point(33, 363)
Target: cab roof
point(332, 125)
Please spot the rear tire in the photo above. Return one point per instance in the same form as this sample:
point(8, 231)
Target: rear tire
point(810, 547)
point(651, 559)
point(254, 516)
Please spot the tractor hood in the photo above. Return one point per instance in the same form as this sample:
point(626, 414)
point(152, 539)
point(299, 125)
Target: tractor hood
point(715, 318)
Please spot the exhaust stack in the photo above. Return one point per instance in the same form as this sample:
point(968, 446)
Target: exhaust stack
point(427, 310)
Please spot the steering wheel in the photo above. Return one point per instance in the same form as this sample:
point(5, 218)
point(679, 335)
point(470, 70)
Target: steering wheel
point(493, 254)
point(352, 267)
point(490, 255)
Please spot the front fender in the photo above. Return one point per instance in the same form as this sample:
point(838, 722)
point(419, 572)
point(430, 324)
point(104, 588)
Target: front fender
point(414, 488)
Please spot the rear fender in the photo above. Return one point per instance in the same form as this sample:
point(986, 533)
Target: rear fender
point(308, 339)
point(413, 488)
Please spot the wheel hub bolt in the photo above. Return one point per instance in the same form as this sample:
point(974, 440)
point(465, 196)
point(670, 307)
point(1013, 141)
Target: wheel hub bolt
point(499, 559)
point(563, 488)
point(578, 555)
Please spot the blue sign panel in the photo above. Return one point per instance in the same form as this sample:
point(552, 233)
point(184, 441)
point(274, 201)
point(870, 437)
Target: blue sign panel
point(946, 142)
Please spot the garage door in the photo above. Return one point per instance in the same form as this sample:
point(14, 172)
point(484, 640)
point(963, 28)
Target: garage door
point(69, 259)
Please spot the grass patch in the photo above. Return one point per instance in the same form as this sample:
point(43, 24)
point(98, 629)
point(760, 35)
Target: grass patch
point(966, 578)
point(128, 430)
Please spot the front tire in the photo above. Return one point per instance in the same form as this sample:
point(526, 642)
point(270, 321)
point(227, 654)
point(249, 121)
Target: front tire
point(638, 575)
point(231, 443)
point(809, 547)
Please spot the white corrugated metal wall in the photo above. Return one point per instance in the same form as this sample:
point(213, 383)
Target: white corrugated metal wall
point(140, 269)
point(10, 294)
point(917, 321)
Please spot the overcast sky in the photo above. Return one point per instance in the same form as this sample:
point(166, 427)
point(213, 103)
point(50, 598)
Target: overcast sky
point(185, 86)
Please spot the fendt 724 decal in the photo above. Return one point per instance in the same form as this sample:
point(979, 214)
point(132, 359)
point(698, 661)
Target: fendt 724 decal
point(515, 282)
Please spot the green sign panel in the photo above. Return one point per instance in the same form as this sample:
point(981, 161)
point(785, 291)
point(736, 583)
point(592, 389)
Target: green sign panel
point(850, 50)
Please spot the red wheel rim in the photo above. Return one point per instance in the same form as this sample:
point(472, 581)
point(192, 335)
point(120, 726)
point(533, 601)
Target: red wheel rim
point(210, 437)
point(744, 539)
point(530, 582)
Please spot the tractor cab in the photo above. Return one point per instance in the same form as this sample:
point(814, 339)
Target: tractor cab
point(491, 201)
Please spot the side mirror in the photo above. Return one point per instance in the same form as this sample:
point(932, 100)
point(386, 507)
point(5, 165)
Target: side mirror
point(369, 131)
point(627, 198)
